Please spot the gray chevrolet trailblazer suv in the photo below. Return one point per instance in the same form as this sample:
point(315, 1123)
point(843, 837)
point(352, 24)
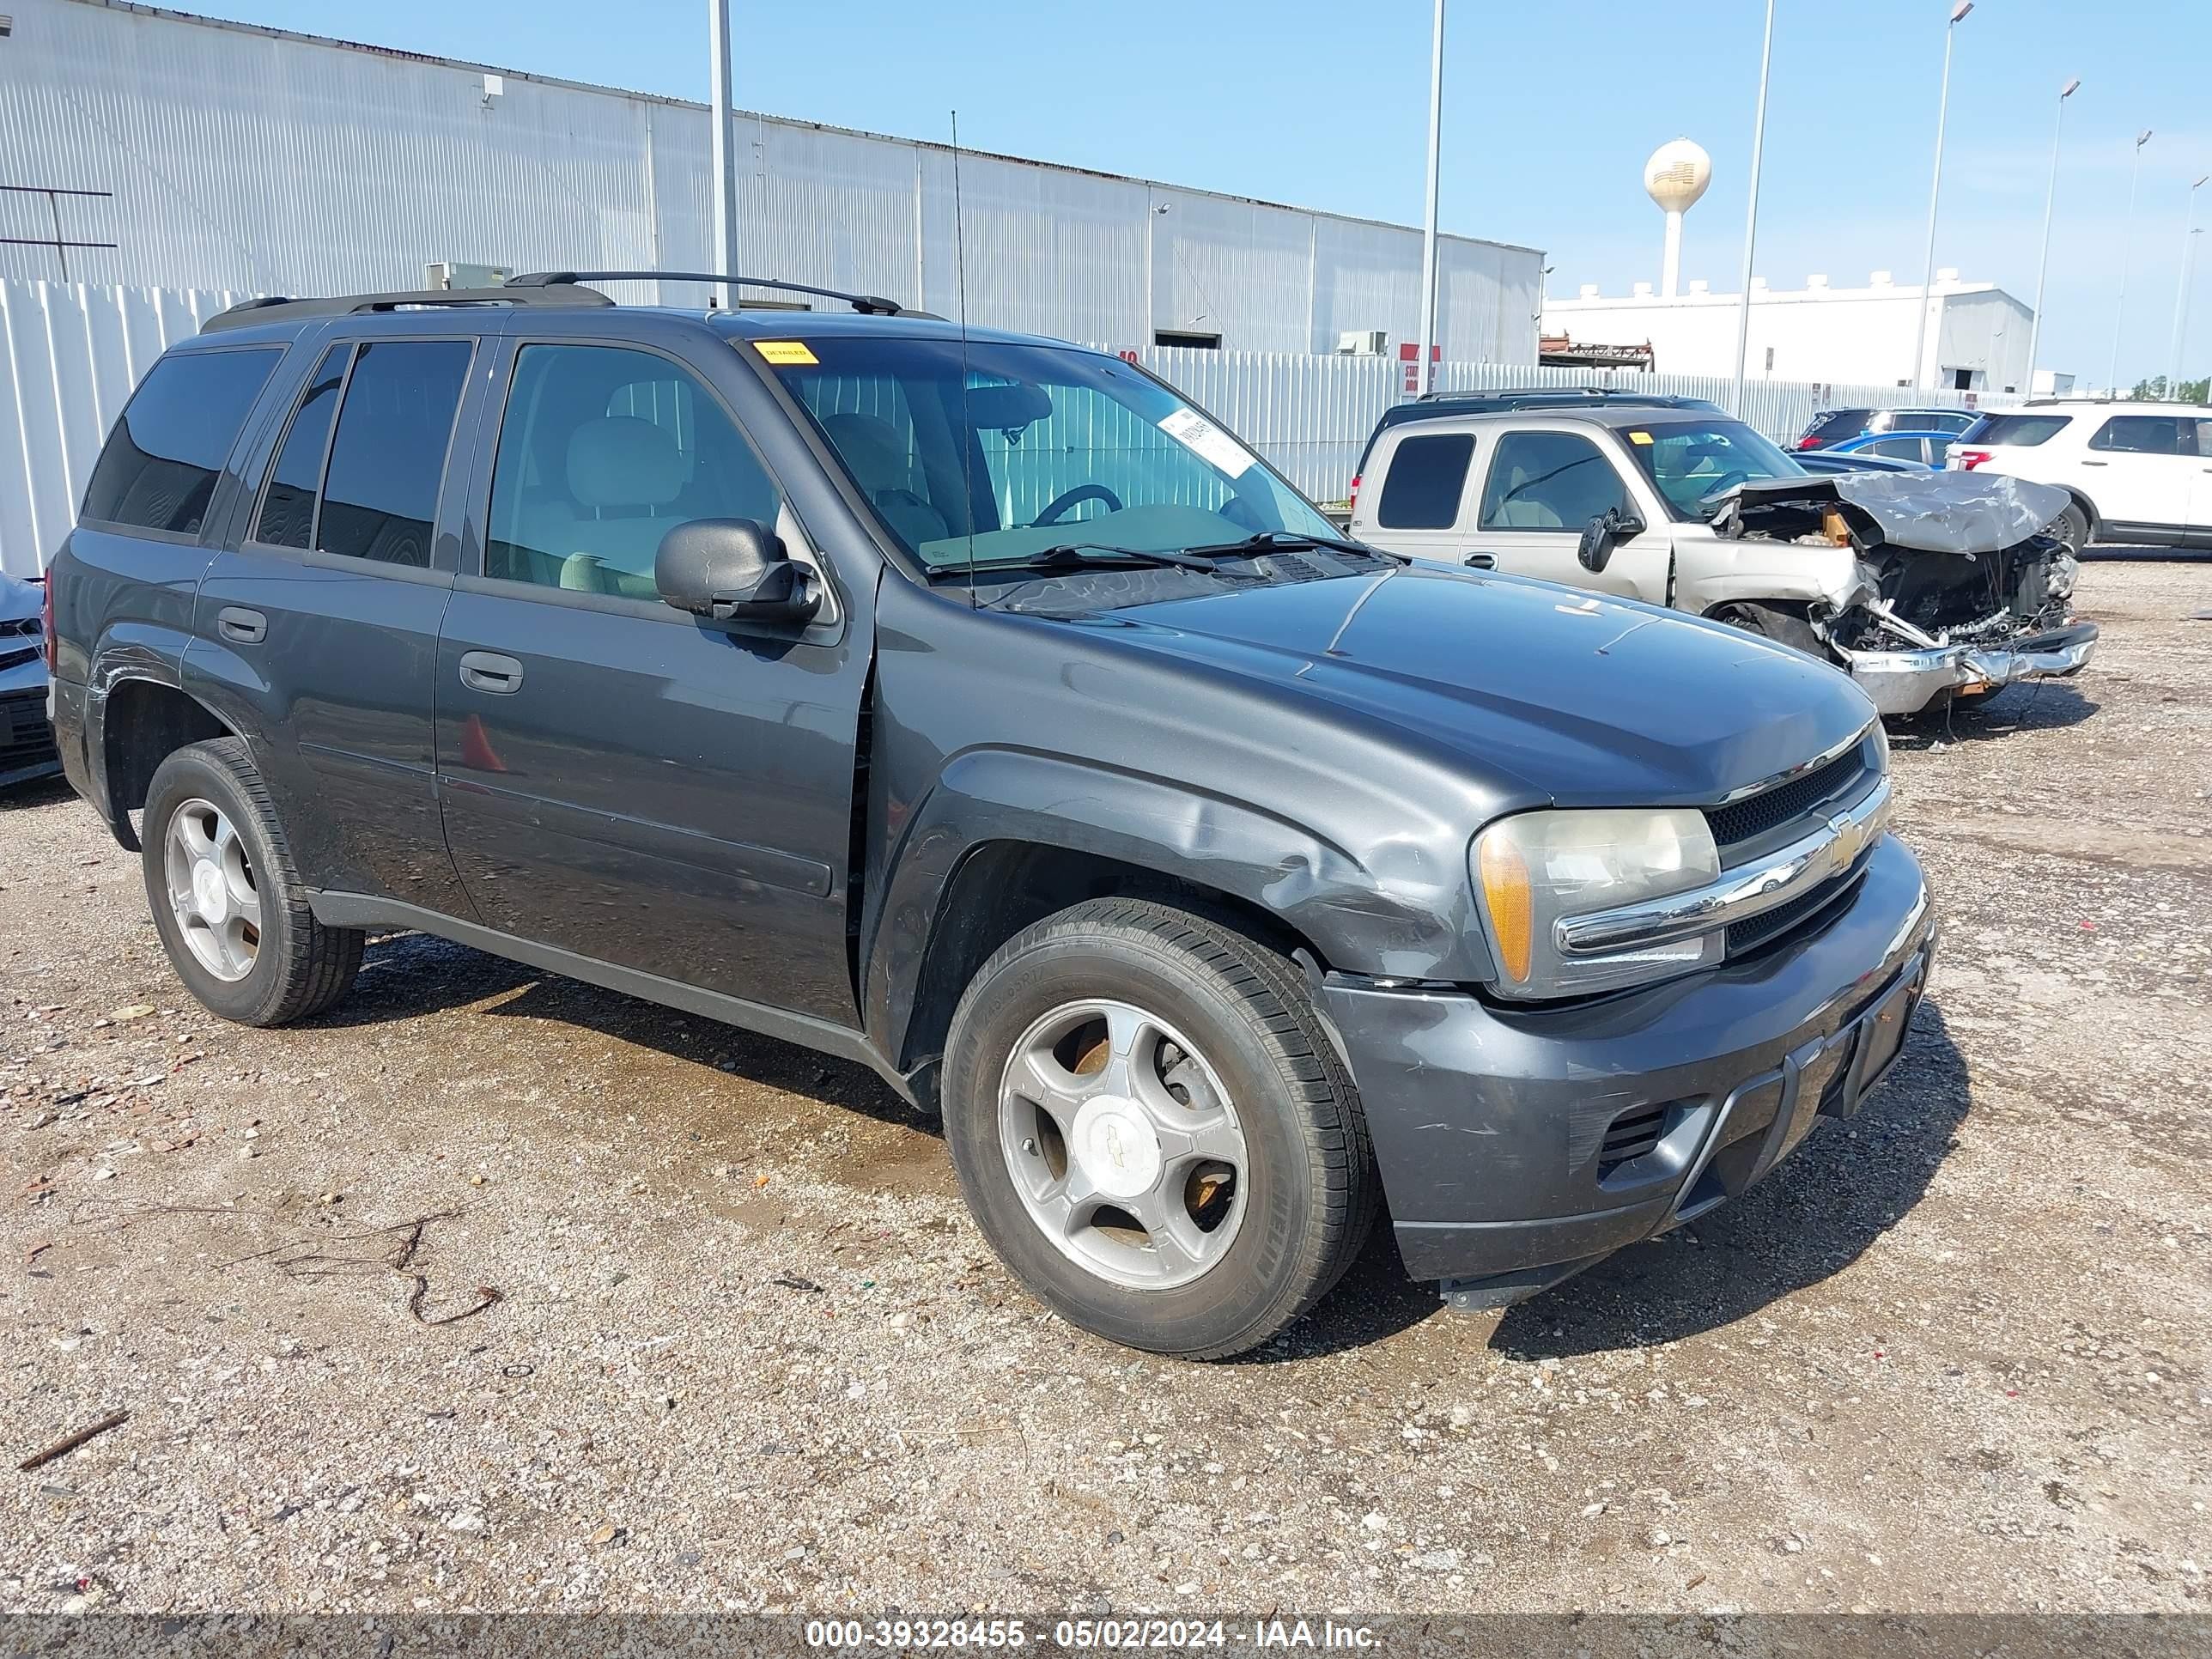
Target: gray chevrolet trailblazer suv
point(974, 707)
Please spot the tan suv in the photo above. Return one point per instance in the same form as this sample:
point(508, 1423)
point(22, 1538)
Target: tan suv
point(1923, 586)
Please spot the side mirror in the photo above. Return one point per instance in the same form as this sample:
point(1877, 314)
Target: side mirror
point(1605, 532)
point(724, 569)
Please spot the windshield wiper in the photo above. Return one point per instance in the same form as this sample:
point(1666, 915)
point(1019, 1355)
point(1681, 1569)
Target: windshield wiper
point(1079, 555)
point(1278, 541)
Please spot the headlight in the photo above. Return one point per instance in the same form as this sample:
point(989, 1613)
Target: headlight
point(1534, 869)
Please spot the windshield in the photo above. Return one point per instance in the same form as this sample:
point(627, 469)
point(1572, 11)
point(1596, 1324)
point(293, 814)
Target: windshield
point(1690, 460)
point(994, 452)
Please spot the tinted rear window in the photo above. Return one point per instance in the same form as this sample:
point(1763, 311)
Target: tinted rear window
point(2147, 434)
point(2025, 431)
point(381, 492)
point(158, 470)
point(1426, 478)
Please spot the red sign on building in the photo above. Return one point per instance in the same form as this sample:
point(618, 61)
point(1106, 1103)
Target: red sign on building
point(1409, 359)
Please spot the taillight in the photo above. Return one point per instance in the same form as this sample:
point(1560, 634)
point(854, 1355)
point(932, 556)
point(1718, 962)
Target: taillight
point(1968, 459)
point(1810, 440)
point(1352, 496)
point(46, 622)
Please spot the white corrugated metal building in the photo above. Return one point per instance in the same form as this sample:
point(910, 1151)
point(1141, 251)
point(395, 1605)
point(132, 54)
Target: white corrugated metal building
point(1977, 334)
point(259, 160)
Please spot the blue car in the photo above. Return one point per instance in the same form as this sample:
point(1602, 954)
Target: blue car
point(1920, 447)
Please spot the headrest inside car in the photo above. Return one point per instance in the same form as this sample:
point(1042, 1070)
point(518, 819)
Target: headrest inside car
point(620, 461)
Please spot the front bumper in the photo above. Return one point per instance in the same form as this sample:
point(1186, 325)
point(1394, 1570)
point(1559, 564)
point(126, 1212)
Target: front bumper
point(1906, 682)
point(1491, 1126)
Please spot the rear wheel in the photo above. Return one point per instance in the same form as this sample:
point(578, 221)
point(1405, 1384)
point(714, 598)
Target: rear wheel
point(228, 905)
point(1153, 1130)
point(2070, 528)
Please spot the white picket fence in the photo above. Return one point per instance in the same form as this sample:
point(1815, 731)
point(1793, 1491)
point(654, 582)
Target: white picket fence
point(70, 352)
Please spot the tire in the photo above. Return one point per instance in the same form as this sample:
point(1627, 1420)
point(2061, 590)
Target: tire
point(1773, 622)
point(293, 967)
point(2071, 528)
point(1228, 1017)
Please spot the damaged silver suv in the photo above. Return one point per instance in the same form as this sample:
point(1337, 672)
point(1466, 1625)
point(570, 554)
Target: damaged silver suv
point(1925, 588)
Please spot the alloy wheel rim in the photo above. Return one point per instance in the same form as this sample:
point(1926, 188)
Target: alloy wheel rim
point(1123, 1145)
point(212, 890)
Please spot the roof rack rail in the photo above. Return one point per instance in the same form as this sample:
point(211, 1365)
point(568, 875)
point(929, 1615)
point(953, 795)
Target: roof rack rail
point(276, 307)
point(870, 305)
point(1540, 391)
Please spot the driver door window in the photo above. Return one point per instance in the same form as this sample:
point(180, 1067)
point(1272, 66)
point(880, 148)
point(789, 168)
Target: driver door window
point(1540, 490)
point(603, 451)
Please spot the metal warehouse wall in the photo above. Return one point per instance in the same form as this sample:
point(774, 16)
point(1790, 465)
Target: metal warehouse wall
point(251, 160)
point(69, 356)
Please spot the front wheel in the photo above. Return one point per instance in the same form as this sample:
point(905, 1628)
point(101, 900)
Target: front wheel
point(230, 908)
point(1153, 1130)
point(1773, 622)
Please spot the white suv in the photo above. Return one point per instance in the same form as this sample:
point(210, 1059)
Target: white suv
point(2138, 472)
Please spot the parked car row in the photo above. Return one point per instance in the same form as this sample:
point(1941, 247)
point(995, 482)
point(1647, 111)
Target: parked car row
point(974, 707)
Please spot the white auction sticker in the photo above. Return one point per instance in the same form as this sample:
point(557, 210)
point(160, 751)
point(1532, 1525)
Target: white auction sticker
point(1208, 443)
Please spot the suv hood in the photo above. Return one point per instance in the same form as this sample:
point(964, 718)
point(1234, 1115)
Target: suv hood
point(1577, 699)
point(1926, 512)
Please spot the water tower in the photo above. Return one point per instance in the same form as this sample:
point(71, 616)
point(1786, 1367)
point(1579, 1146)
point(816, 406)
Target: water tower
point(1674, 178)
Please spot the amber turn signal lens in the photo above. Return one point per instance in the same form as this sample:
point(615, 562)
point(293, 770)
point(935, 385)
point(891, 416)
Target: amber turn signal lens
point(1505, 892)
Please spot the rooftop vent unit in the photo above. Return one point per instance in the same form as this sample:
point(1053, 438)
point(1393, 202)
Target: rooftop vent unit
point(457, 273)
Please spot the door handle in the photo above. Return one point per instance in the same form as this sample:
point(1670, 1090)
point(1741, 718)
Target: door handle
point(2096, 463)
point(1482, 562)
point(243, 627)
point(487, 671)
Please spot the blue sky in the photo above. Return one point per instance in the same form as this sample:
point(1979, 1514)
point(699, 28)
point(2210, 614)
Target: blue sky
point(1550, 110)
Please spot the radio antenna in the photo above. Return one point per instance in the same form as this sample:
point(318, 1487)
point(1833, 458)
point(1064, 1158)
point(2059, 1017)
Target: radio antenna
point(960, 294)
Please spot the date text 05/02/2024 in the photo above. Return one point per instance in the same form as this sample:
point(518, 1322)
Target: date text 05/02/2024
point(1090, 1634)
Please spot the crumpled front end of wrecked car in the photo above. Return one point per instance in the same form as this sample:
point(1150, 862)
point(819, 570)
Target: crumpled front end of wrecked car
point(1954, 585)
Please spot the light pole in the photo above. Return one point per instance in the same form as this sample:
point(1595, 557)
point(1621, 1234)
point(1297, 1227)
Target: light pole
point(1424, 379)
point(2050, 201)
point(2127, 253)
point(726, 170)
point(2181, 294)
point(1936, 192)
point(1751, 214)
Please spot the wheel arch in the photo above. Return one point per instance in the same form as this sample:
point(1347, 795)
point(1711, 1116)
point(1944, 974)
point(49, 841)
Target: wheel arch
point(142, 721)
point(1000, 887)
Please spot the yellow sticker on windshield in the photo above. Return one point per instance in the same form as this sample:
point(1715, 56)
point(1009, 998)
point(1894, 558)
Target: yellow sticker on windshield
point(1634, 437)
point(789, 354)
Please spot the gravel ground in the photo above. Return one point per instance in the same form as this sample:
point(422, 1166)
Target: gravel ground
point(746, 1352)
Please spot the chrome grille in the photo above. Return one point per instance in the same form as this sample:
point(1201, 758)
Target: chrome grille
point(1803, 801)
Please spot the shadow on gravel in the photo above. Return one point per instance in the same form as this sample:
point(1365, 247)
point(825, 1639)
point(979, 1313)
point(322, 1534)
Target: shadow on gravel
point(404, 976)
point(1824, 1208)
point(39, 792)
point(2032, 706)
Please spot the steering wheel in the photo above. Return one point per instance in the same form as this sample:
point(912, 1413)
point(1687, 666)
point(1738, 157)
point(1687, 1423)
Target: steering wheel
point(1728, 481)
point(1067, 498)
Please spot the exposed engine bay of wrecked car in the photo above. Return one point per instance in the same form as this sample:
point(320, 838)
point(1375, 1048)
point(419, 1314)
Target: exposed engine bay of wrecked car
point(1954, 585)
